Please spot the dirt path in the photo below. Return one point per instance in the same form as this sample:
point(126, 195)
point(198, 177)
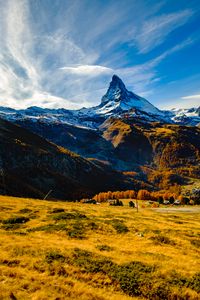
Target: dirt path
point(195, 209)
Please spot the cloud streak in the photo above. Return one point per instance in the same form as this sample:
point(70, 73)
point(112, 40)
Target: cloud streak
point(88, 70)
point(192, 97)
point(155, 30)
point(144, 78)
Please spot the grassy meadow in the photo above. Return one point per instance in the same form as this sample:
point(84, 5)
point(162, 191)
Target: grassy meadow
point(59, 250)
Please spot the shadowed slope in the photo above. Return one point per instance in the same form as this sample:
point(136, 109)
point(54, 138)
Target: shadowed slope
point(32, 166)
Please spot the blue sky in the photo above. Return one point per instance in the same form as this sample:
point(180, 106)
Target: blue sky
point(63, 53)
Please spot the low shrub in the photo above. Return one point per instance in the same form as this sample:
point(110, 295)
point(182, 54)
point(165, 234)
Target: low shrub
point(54, 255)
point(25, 210)
point(104, 248)
point(58, 270)
point(194, 282)
point(90, 264)
point(76, 231)
point(16, 220)
point(161, 239)
point(119, 226)
point(92, 225)
point(11, 226)
point(135, 278)
point(155, 290)
point(177, 279)
point(57, 210)
point(10, 263)
point(68, 216)
point(49, 228)
point(131, 276)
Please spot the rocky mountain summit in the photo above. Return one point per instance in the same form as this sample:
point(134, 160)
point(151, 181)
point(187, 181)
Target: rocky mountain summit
point(118, 100)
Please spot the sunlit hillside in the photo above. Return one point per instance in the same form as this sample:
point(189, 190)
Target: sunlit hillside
point(59, 250)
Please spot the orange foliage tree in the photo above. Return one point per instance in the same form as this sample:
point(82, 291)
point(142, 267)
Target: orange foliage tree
point(104, 196)
point(144, 195)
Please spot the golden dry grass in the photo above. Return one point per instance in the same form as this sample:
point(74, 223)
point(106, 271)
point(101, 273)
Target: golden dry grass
point(26, 273)
point(164, 131)
point(117, 132)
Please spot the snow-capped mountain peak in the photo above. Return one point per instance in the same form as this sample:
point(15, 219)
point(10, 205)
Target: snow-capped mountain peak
point(118, 98)
point(116, 91)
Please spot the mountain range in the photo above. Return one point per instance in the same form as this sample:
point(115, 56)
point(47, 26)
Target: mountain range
point(117, 102)
point(125, 142)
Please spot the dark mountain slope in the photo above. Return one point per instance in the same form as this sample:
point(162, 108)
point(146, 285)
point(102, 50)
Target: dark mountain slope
point(85, 142)
point(126, 143)
point(132, 147)
point(31, 166)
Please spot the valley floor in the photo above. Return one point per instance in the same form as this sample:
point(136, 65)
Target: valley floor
point(59, 250)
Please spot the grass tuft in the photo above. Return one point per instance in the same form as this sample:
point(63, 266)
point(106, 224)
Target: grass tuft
point(68, 216)
point(161, 239)
point(16, 220)
point(54, 255)
point(104, 248)
point(119, 226)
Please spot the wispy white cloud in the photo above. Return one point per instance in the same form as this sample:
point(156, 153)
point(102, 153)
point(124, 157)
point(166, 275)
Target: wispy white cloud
point(192, 97)
point(107, 26)
point(19, 38)
point(18, 74)
point(154, 31)
point(181, 102)
point(144, 78)
point(88, 70)
point(189, 101)
point(28, 60)
point(178, 47)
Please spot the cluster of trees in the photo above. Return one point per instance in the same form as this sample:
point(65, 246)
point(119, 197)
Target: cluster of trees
point(104, 196)
point(140, 195)
point(165, 179)
point(159, 196)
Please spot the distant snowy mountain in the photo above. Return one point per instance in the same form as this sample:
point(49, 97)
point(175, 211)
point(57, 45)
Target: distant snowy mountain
point(117, 102)
point(190, 116)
